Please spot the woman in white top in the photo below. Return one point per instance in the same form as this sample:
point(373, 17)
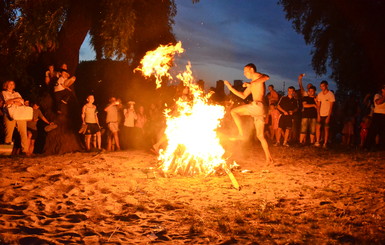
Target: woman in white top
point(90, 118)
point(11, 97)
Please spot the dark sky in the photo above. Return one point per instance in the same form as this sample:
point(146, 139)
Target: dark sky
point(220, 37)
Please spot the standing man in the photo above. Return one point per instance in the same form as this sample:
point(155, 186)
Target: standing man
point(325, 102)
point(112, 120)
point(255, 109)
point(377, 126)
point(288, 106)
point(302, 89)
point(309, 116)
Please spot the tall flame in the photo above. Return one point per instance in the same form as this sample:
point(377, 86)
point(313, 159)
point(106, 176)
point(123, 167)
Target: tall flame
point(193, 145)
point(158, 62)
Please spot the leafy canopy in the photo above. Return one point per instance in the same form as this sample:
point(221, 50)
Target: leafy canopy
point(347, 37)
point(30, 28)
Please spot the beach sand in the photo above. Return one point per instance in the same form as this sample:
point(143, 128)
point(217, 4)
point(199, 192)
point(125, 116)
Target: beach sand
point(308, 196)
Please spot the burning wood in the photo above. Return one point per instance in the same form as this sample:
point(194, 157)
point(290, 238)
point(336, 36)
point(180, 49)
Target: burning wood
point(193, 144)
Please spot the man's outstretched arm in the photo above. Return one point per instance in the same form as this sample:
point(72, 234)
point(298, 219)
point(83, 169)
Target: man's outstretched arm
point(242, 95)
point(263, 78)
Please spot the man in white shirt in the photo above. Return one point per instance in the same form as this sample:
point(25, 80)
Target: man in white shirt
point(325, 102)
point(377, 126)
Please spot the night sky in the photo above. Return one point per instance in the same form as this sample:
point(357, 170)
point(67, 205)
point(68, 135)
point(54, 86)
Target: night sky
point(220, 37)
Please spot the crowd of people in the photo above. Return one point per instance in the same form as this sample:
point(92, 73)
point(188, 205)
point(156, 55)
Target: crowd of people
point(307, 117)
point(124, 127)
point(301, 117)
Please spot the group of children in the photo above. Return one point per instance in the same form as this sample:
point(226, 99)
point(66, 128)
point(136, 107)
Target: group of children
point(133, 124)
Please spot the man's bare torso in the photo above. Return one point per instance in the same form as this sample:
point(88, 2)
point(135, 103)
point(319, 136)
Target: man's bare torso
point(258, 91)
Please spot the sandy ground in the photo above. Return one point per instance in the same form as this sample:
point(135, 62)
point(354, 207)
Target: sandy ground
point(309, 196)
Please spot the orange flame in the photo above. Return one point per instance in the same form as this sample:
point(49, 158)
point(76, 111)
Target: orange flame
point(158, 62)
point(193, 145)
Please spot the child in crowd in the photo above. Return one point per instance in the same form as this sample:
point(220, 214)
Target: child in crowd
point(364, 128)
point(32, 127)
point(130, 117)
point(140, 126)
point(348, 131)
point(274, 116)
point(90, 118)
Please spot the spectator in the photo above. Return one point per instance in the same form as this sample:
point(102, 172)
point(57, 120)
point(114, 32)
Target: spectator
point(308, 86)
point(90, 118)
point(350, 113)
point(130, 117)
point(309, 116)
point(273, 117)
point(51, 75)
point(348, 131)
point(287, 105)
point(367, 105)
point(140, 123)
point(64, 67)
point(364, 129)
point(62, 89)
point(272, 96)
point(156, 124)
point(2, 129)
point(325, 102)
point(32, 131)
point(377, 126)
point(112, 120)
point(299, 95)
point(11, 97)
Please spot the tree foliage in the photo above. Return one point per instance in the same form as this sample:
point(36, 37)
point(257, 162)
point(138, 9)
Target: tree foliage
point(52, 31)
point(347, 38)
point(31, 27)
point(147, 25)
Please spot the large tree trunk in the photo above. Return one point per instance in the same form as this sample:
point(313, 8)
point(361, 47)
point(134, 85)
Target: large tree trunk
point(66, 138)
point(73, 33)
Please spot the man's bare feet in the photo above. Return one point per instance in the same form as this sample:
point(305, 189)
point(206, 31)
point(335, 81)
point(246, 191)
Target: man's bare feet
point(269, 161)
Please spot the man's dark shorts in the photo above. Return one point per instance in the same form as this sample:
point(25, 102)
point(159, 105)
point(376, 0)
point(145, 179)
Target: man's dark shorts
point(285, 122)
point(92, 128)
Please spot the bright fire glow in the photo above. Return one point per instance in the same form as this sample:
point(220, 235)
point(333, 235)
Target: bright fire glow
point(193, 145)
point(158, 62)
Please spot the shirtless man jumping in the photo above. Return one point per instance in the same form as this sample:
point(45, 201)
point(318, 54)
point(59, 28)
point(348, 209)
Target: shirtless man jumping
point(255, 109)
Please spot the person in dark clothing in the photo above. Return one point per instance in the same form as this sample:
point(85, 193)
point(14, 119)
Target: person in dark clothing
point(309, 116)
point(287, 105)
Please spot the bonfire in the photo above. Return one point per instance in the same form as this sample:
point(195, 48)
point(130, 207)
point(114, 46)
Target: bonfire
point(193, 146)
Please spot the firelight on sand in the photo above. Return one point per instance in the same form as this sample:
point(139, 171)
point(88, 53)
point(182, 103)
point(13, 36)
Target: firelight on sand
point(193, 144)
